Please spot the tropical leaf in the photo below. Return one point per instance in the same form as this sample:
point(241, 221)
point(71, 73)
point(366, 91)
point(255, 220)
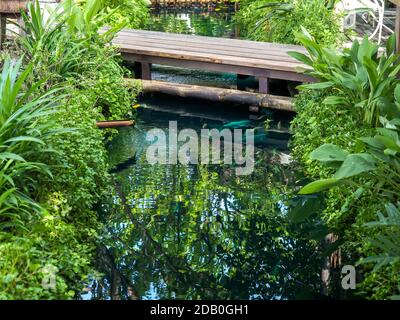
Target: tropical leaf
point(355, 164)
point(320, 185)
point(329, 153)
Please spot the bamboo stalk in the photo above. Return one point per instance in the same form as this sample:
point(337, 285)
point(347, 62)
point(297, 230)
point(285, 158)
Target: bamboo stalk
point(115, 124)
point(218, 94)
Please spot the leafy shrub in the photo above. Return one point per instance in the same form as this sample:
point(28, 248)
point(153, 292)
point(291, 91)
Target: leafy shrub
point(52, 245)
point(359, 77)
point(377, 160)
point(23, 140)
point(130, 13)
point(278, 21)
point(76, 73)
point(123, 13)
point(359, 94)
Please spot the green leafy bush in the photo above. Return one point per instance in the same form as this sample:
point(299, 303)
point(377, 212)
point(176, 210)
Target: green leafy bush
point(131, 13)
point(23, 140)
point(351, 146)
point(278, 21)
point(359, 77)
point(48, 210)
point(377, 160)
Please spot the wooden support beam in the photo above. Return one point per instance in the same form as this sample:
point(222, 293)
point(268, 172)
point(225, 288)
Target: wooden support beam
point(218, 94)
point(146, 71)
point(142, 70)
point(263, 85)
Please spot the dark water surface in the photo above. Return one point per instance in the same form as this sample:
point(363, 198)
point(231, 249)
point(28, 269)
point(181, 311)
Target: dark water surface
point(201, 231)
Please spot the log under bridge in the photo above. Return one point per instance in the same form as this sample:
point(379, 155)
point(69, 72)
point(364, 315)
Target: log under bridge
point(262, 60)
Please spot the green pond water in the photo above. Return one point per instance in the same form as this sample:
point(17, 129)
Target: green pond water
point(201, 231)
point(214, 22)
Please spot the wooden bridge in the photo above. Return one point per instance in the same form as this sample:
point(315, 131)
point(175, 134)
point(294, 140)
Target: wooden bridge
point(242, 57)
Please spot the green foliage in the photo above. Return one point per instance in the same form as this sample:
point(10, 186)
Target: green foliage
point(122, 13)
point(22, 141)
point(366, 167)
point(34, 234)
point(52, 245)
point(346, 208)
point(81, 166)
point(54, 167)
point(102, 78)
point(358, 77)
point(382, 164)
point(278, 21)
point(384, 254)
point(130, 13)
point(318, 123)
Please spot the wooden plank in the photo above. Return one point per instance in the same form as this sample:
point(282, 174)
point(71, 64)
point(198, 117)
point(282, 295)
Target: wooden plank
point(224, 68)
point(221, 50)
point(217, 59)
point(206, 52)
point(233, 44)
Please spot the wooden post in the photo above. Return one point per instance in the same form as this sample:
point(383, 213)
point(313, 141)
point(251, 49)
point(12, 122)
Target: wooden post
point(397, 29)
point(3, 25)
point(146, 71)
point(263, 85)
point(142, 70)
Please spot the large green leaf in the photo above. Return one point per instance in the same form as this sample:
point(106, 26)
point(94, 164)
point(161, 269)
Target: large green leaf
point(316, 86)
point(329, 153)
point(319, 185)
point(301, 57)
point(355, 164)
point(336, 100)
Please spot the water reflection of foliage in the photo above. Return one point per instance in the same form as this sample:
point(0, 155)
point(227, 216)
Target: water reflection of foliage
point(201, 232)
point(216, 24)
